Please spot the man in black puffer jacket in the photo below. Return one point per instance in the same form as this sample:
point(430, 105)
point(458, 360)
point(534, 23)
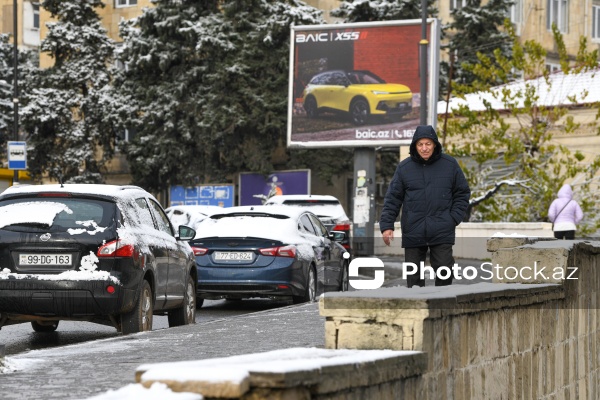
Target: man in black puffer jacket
point(433, 193)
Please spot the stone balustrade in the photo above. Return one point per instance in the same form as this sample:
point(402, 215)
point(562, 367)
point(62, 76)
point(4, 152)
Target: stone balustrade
point(531, 337)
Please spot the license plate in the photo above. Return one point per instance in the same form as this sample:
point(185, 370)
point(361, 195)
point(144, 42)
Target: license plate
point(233, 255)
point(44, 259)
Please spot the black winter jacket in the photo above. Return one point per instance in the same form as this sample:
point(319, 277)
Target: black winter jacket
point(433, 195)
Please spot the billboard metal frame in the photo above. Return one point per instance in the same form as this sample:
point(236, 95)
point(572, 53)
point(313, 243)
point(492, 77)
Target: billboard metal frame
point(393, 134)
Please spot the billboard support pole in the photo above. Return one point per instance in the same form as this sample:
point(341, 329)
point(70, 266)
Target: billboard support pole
point(15, 83)
point(423, 62)
point(363, 215)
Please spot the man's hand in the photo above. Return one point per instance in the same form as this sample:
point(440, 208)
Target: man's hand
point(388, 236)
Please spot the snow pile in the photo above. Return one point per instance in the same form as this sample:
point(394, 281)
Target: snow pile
point(512, 235)
point(86, 224)
point(31, 213)
point(236, 368)
point(158, 391)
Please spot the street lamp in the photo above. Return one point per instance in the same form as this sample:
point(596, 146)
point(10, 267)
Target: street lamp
point(15, 84)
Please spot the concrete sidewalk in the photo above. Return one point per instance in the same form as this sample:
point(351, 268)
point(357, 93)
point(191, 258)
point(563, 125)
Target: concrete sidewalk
point(82, 370)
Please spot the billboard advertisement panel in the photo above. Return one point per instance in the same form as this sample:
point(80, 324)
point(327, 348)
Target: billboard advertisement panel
point(255, 188)
point(222, 195)
point(357, 85)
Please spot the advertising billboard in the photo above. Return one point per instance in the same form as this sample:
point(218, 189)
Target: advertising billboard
point(255, 189)
point(358, 85)
point(222, 195)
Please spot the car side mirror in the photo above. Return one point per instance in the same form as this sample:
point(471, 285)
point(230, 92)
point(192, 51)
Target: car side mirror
point(185, 233)
point(337, 236)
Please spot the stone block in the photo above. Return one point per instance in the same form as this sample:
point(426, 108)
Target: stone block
point(369, 336)
point(529, 264)
point(225, 389)
point(496, 243)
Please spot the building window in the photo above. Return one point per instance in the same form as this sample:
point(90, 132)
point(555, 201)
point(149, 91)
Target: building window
point(36, 15)
point(596, 22)
point(515, 13)
point(553, 68)
point(457, 4)
point(557, 13)
point(125, 3)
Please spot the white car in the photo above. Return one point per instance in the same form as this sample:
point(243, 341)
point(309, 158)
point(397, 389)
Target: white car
point(190, 215)
point(327, 208)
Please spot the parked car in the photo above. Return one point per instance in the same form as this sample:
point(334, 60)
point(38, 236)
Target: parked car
point(270, 252)
point(327, 208)
point(98, 253)
point(190, 215)
point(358, 93)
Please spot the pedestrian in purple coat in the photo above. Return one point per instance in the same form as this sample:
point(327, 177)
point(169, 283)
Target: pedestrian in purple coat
point(565, 214)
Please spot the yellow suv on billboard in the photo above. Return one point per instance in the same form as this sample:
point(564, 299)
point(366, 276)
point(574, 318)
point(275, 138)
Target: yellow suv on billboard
point(359, 93)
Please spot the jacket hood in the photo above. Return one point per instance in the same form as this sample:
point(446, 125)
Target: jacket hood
point(565, 192)
point(425, 131)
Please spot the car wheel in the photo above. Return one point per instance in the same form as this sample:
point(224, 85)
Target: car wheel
point(359, 112)
point(186, 314)
point(310, 290)
point(344, 282)
point(310, 105)
point(140, 318)
point(45, 326)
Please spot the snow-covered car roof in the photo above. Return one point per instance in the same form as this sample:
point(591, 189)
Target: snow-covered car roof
point(206, 210)
point(190, 215)
point(114, 191)
point(324, 206)
point(318, 197)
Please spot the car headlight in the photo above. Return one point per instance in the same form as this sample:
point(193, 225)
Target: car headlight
point(379, 92)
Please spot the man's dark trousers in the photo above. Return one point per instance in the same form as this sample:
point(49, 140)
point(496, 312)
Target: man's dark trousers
point(439, 255)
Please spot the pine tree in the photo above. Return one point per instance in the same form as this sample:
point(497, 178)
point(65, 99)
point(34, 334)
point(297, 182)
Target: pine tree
point(381, 10)
point(475, 28)
point(65, 112)
point(209, 81)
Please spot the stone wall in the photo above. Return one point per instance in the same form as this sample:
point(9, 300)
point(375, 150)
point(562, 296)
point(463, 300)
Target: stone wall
point(528, 339)
point(471, 237)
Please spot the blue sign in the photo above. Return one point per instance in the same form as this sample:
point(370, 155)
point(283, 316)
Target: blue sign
point(204, 195)
point(17, 155)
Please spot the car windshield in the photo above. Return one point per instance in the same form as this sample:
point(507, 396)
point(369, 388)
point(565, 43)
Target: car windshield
point(322, 208)
point(56, 214)
point(364, 78)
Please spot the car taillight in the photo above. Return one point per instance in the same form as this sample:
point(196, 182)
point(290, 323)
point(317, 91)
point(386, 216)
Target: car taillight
point(341, 227)
point(116, 248)
point(199, 251)
point(281, 251)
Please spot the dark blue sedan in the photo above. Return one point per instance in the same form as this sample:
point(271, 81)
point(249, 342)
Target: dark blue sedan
point(267, 251)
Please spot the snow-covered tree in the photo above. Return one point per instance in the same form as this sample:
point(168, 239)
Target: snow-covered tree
point(516, 165)
point(209, 80)
point(26, 65)
point(66, 113)
point(381, 10)
point(475, 28)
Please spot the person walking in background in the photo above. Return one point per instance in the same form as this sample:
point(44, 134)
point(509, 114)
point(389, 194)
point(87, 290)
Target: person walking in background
point(565, 214)
point(433, 193)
